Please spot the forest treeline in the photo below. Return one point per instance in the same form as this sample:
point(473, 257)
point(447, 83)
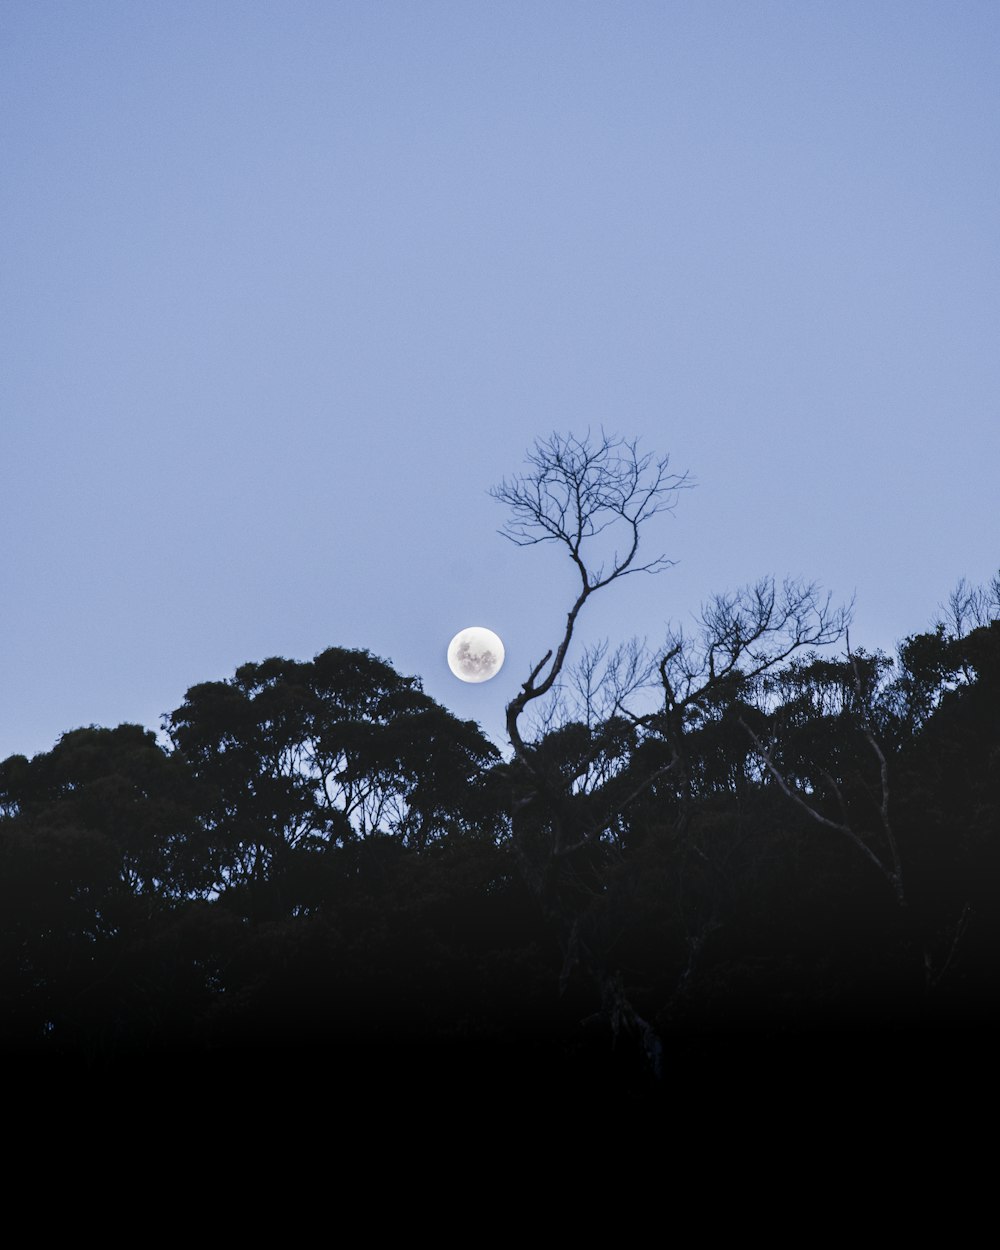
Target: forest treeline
point(688, 846)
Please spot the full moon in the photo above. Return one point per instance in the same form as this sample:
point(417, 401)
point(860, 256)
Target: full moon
point(475, 654)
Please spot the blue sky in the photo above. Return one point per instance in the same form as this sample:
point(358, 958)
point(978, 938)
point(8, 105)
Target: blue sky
point(289, 286)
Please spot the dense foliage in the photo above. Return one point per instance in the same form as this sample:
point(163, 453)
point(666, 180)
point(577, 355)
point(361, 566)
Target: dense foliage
point(323, 856)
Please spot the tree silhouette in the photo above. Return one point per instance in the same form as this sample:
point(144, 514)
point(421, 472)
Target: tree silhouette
point(685, 842)
point(593, 497)
point(95, 858)
point(575, 491)
point(297, 757)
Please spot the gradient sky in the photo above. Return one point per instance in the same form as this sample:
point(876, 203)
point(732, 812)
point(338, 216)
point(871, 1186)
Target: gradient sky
point(288, 287)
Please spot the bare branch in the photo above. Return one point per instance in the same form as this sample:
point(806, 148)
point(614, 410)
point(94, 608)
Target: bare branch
point(971, 607)
point(856, 701)
point(746, 633)
point(577, 489)
point(811, 811)
point(864, 705)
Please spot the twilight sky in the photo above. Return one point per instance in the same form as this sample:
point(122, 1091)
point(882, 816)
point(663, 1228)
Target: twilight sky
point(288, 287)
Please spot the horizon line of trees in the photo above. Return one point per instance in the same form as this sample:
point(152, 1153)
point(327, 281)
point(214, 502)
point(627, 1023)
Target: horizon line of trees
point(739, 831)
point(322, 853)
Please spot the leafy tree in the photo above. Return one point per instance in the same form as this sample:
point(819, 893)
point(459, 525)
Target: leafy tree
point(94, 843)
point(120, 784)
point(298, 758)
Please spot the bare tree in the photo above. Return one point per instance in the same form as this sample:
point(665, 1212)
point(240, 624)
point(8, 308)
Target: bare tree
point(603, 683)
point(575, 490)
point(740, 636)
point(971, 607)
point(593, 497)
point(748, 632)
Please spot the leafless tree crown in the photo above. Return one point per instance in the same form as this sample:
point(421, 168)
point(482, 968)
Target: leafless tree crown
point(748, 632)
point(971, 607)
point(577, 488)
